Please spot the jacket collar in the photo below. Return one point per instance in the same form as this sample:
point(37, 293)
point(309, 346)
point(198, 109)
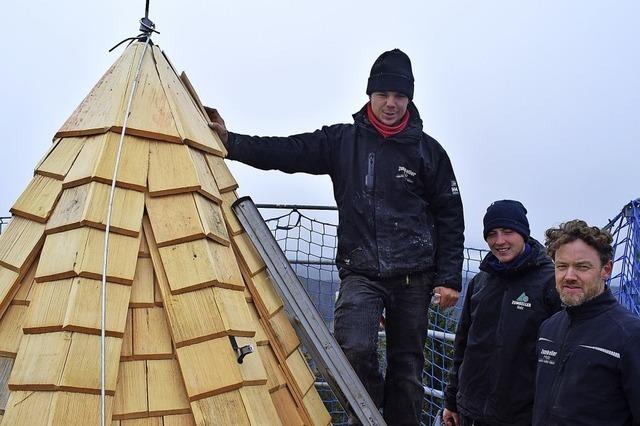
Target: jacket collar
point(535, 257)
point(592, 308)
point(411, 133)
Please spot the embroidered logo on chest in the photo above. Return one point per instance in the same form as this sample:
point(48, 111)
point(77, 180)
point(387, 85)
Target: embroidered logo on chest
point(522, 302)
point(406, 174)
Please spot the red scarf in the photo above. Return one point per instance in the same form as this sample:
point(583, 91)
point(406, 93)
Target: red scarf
point(382, 128)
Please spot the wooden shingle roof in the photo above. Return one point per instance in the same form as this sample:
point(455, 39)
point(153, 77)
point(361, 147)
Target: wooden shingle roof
point(182, 275)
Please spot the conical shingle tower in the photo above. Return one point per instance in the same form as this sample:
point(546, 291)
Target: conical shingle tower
point(183, 281)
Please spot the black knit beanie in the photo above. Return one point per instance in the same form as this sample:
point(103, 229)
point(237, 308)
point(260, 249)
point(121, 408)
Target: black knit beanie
point(507, 214)
point(391, 72)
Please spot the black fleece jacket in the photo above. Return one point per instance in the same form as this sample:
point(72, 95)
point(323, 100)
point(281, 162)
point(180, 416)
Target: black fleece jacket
point(493, 371)
point(589, 366)
point(398, 201)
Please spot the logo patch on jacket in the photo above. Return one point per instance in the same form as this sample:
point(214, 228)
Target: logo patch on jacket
point(521, 302)
point(406, 174)
point(454, 187)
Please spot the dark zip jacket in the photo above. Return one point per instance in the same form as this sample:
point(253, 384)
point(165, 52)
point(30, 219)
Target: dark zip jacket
point(398, 201)
point(589, 366)
point(494, 363)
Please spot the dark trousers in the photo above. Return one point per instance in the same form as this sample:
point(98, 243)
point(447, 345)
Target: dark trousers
point(357, 316)
point(468, 421)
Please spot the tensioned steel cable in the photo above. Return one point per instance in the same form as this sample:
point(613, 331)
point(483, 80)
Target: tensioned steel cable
point(103, 297)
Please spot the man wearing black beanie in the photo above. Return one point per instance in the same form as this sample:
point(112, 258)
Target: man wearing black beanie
point(491, 382)
point(400, 232)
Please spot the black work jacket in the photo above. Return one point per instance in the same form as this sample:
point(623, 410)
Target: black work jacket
point(398, 201)
point(589, 366)
point(492, 378)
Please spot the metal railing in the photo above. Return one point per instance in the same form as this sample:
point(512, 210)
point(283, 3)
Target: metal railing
point(4, 220)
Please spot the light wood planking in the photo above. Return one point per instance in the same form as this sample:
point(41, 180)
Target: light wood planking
point(179, 420)
point(80, 252)
point(84, 310)
point(38, 199)
point(259, 406)
point(145, 421)
point(284, 333)
point(48, 307)
point(142, 289)
point(11, 330)
point(25, 287)
point(212, 220)
point(27, 408)
point(104, 106)
point(226, 266)
point(130, 400)
point(316, 408)
point(9, 283)
point(151, 335)
point(40, 361)
point(190, 123)
point(57, 164)
point(208, 186)
point(267, 293)
point(188, 266)
point(174, 219)
point(81, 371)
point(82, 169)
point(77, 409)
point(167, 394)
point(286, 407)
point(228, 198)
point(247, 254)
point(144, 247)
point(126, 353)
point(252, 368)
point(234, 312)
point(224, 409)
point(209, 368)
point(171, 170)
point(256, 324)
point(275, 376)
point(19, 243)
point(224, 179)
point(302, 375)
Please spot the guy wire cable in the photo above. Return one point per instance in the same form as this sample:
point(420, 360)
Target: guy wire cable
point(103, 297)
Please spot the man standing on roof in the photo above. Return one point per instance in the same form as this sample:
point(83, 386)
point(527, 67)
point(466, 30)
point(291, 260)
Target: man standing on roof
point(491, 381)
point(588, 354)
point(400, 232)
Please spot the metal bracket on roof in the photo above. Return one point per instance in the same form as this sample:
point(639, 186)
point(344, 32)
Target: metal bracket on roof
point(241, 351)
point(311, 330)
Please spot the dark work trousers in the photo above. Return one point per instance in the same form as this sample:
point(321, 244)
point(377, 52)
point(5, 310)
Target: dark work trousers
point(468, 421)
point(357, 317)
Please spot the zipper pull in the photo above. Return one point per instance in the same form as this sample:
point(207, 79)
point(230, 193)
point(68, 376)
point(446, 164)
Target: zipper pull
point(368, 179)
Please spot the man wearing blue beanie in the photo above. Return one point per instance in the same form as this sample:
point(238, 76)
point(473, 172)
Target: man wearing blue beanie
point(492, 379)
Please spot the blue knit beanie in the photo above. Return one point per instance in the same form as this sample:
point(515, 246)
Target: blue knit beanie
point(509, 214)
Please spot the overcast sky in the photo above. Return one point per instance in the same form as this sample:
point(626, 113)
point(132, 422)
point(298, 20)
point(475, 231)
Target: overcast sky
point(533, 100)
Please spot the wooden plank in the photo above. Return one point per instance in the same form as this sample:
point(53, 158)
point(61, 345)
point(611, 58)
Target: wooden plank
point(84, 310)
point(97, 158)
point(179, 420)
point(228, 198)
point(226, 266)
point(212, 220)
point(25, 287)
point(284, 333)
point(234, 312)
point(174, 219)
point(81, 371)
point(286, 407)
point(144, 247)
point(130, 400)
point(192, 316)
point(104, 106)
point(224, 179)
point(224, 409)
point(145, 421)
point(40, 361)
point(171, 170)
point(151, 335)
point(316, 408)
point(302, 375)
point(167, 394)
point(9, 283)
point(126, 353)
point(87, 205)
point(27, 408)
point(47, 312)
point(6, 365)
point(11, 329)
point(19, 243)
point(259, 406)
point(275, 376)
point(60, 159)
point(80, 252)
point(221, 375)
point(248, 254)
point(191, 125)
point(192, 93)
point(142, 289)
point(77, 409)
point(256, 324)
point(265, 291)
point(252, 369)
point(208, 187)
point(157, 296)
point(38, 199)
